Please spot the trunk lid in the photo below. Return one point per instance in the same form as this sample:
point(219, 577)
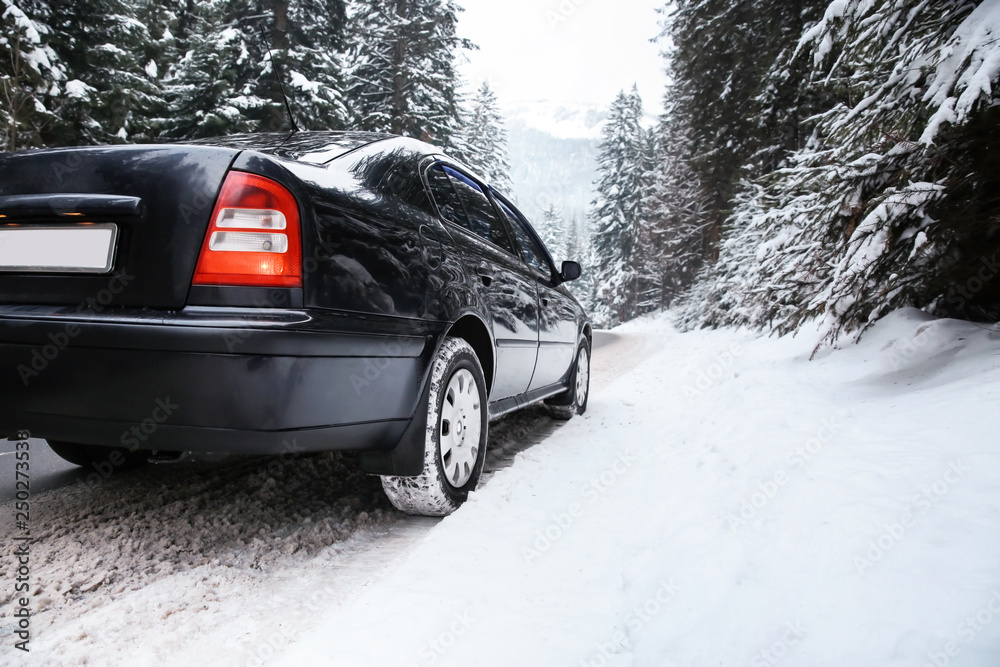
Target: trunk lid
point(157, 198)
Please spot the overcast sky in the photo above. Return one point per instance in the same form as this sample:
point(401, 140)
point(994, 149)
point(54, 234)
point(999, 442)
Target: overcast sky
point(564, 50)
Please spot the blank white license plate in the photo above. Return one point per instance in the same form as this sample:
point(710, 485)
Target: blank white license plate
point(58, 249)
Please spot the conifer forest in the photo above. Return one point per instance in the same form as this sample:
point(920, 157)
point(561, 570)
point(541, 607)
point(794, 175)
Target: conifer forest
point(828, 160)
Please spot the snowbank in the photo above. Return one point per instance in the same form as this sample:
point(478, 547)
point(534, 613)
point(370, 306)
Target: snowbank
point(725, 503)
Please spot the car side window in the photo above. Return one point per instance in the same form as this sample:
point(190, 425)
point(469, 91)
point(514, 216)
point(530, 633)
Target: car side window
point(480, 218)
point(446, 198)
point(532, 254)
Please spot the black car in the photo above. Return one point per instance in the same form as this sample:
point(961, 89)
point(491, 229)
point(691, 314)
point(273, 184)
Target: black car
point(278, 293)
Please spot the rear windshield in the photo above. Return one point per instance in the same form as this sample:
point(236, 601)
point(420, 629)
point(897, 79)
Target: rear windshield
point(309, 147)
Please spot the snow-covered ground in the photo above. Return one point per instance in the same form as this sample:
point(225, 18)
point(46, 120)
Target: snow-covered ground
point(724, 501)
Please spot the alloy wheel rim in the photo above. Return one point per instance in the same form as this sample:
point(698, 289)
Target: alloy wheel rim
point(582, 376)
point(460, 428)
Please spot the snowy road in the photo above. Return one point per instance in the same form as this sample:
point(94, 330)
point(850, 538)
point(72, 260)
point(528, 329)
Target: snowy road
point(229, 543)
point(723, 502)
point(49, 472)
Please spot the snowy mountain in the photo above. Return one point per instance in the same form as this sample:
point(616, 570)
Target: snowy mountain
point(553, 157)
point(548, 170)
point(560, 119)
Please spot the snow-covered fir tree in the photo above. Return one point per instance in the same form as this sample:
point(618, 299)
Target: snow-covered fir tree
point(311, 39)
point(737, 121)
point(678, 215)
point(575, 246)
point(30, 74)
point(401, 68)
point(553, 231)
point(891, 202)
point(108, 95)
point(484, 139)
point(226, 81)
point(617, 212)
point(215, 87)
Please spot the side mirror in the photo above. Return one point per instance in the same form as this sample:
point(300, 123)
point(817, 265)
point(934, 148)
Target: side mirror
point(570, 271)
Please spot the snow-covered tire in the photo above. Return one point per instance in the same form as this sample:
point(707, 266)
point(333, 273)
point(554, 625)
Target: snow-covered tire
point(85, 455)
point(579, 386)
point(455, 444)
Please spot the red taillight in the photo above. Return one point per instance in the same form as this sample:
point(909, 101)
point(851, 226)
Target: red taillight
point(253, 238)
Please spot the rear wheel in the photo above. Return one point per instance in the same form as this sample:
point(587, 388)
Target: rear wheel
point(455, 444)
point(86, 455)
point(579, 387)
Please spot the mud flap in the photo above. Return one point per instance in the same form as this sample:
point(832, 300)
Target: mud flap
point(567, 397)
point(406, 459)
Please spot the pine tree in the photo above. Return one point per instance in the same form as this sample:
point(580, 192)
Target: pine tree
point(678, 216)
point(618, 210)
point(170, 24)
point(226, 82)
point(893, 200)
point(310, 57)
point(29, 72)
point(108, 95)
point(214, 88)
point(401, 74)
point(916, 204)
point(484, 139)
point(158, 51)
point(552, 229)
point(577, 249)
point(574, 248)
point(651, 235)
point(739, 121)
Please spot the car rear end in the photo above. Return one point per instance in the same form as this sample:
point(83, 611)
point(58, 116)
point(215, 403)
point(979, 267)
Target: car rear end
point(152, 298)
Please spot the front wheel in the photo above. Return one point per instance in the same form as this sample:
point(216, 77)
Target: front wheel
point(579, 387)
point(455, 444)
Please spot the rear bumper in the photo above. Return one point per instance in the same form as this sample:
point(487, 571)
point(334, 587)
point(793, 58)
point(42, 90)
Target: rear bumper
point(212, 379)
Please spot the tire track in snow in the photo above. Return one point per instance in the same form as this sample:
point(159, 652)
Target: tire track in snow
point(234, 540)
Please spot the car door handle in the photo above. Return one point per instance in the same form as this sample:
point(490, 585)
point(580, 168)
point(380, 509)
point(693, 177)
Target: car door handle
point(485, 272)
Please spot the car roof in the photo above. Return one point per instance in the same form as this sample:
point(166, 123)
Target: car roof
point(308, 147)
